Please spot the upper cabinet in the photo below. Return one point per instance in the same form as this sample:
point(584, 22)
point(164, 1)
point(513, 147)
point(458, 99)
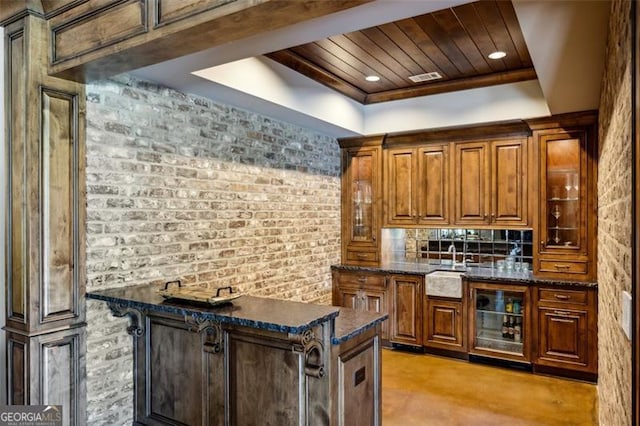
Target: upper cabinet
point(361, 194)
point(567, 213)
point(416, 185)
point(491, 183)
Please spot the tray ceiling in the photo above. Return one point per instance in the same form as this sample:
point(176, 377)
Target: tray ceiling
point(454, 42)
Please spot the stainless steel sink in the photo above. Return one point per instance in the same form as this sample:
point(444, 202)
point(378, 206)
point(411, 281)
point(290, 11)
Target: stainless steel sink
point(444, 284)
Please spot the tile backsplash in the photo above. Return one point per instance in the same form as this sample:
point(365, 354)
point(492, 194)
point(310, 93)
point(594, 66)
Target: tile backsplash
point(481, 247)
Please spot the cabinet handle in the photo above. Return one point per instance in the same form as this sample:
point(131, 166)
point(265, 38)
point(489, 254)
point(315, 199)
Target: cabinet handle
point(557, 266)
point(361, 255)
point(542, 243)
point(362, 279)
point(561, 296)
point(562, 313)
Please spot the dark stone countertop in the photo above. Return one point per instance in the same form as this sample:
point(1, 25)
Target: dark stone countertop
point(351, 323)
point(473, 273)
point(247, 311)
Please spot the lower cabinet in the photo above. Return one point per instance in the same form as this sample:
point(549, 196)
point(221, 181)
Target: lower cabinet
point(566, 336)
point(407, 293)
point(551, 328)
point(362, 291)
point(444, 321)
point(192, 371)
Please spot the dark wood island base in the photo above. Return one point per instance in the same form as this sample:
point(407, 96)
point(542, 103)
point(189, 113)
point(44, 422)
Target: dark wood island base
point(255, 361)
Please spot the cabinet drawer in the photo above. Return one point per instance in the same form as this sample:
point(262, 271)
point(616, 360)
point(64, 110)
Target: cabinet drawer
point(563, 296)
point(362, 256)
point(362, 279)
point(563, 267)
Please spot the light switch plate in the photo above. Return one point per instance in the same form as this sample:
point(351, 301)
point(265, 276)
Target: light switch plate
point(626, 314)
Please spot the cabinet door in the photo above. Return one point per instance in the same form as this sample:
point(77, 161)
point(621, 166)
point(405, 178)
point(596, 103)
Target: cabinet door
point(563, 338)
point(361, 185)
point(399, 184)
point(567, 330)
point(376, 301)
point(444, 324)
point(433, 185)
point(348, 297)
point(406, 309)
point(566, 218)
point(509, 183)
point(471, 195)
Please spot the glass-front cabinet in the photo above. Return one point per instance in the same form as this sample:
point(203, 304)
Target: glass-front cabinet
point(361, 198)
point(562, 186)
point(566, 227)
point(498, 321)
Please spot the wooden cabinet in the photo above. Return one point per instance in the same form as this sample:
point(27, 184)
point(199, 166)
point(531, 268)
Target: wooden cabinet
point(498, 323)
point(490, 183)
point(566, 337)
point(194, 370)
point(444, 324)
point(361, 200)
point(416, 185)
point(45, 219)
point(407, 294)
point(362, 291)
point(566, 218)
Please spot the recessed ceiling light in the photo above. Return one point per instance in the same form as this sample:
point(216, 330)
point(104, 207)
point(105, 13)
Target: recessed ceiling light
point(497, 55)
point(372, 78)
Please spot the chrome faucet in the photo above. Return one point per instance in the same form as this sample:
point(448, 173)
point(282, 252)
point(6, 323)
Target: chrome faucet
point(452, 249)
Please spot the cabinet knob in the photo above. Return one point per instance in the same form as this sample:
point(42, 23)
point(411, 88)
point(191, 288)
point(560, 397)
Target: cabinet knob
point(561, 296)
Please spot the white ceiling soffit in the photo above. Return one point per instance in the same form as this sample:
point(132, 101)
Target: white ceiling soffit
point(566, 40)
point(291, 97)
point(286, 92)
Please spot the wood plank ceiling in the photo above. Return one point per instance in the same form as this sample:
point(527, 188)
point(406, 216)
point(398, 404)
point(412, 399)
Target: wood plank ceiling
point(453, 42)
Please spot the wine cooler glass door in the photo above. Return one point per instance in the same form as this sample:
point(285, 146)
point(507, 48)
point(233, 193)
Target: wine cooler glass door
point(499, 321)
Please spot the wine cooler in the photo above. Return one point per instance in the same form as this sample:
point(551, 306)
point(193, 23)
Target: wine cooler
point(499, 321)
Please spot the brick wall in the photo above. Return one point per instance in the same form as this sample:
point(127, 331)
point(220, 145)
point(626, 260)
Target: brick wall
point(180, 187)
point(614, 221)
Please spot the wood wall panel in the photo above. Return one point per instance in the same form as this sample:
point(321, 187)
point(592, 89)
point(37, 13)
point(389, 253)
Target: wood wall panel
point(59, 199)
point(46, 187)
point(17, 155)
point(49, 369)
point(17, 374)
point(168, 11)
point(60, 372)
point(357, 379)
point(251, 381)
point(112, 24)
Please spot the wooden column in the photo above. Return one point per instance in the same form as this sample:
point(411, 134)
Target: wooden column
point(45, 276)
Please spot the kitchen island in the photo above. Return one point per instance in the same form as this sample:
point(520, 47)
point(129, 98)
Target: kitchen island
point(251, 361)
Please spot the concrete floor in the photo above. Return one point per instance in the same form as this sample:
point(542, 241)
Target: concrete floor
point(429, 390)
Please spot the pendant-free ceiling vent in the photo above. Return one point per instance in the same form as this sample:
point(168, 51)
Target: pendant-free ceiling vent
point(425, 77)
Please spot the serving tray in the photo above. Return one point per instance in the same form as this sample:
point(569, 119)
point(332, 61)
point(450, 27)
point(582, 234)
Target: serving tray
point(197, 294)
